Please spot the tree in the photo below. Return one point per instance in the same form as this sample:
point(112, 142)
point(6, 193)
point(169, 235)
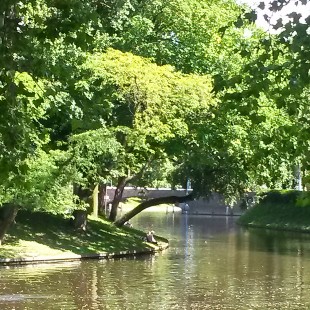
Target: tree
point(279, 71)
point(149, 105)
point(94, 154)
point(181, 33)
point(34, 36)
point(150, 203)
point(70, 101)
point(44, 39)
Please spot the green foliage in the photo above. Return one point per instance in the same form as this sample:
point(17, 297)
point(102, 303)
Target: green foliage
point(44, 183)
point(279, 210)
point(157, 174)
point(94, 155)
point(237, 150)
point(280, 197)
point(303, 200)
point(276, 65)
point(267, 93)
point(180, 33)
point(77, 103)
point(148, 105)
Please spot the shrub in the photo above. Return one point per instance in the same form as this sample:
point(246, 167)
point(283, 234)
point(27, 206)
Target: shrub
point(280, 197)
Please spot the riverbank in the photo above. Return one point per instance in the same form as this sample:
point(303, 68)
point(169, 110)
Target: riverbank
point(41, 237)
point(281, 210)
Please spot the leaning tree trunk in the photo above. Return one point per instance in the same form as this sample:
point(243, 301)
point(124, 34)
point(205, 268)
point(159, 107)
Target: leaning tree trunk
point(122, 181)
point(7, 217)
point(150, 203)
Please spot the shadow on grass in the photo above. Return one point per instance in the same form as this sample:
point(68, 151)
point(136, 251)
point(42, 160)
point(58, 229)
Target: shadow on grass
point(56, 232)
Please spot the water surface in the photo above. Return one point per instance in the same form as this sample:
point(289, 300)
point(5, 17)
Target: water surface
point(211, 264)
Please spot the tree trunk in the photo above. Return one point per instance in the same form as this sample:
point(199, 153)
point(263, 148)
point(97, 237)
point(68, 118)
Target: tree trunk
point(80, 216)
point(80, 220)
point(150, 203)
point(101, 199)
point(95, 201)
point(122, 181)
point(7, 217)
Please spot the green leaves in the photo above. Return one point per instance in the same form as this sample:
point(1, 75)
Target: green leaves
point(180, 33)
point(149, 104)
point(73, 108)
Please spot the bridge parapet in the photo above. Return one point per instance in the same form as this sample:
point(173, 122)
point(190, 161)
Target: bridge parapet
point(146, 192)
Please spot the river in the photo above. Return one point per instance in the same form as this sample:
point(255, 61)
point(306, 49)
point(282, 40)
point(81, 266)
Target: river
point(211, 264)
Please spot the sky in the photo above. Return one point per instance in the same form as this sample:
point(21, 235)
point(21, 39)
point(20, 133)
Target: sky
point(304, 10)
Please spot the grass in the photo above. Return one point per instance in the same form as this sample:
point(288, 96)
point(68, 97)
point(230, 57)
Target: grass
point(279, 210)
point(41, 234)
point(132, 202)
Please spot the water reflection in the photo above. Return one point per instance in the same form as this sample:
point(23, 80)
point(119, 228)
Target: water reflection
point(211, 264)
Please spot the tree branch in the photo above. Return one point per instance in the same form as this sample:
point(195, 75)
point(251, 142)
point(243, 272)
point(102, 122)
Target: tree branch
point(150, 203)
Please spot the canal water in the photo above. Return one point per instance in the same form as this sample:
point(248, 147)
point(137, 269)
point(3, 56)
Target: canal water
point(211, 264)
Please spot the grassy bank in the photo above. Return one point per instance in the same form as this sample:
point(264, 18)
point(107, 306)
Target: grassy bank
point(41, 234)
point(285, 210)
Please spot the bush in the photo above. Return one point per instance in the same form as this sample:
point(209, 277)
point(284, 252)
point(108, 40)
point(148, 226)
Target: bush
point(303, 200)
point(280, 210)
point(279, 197)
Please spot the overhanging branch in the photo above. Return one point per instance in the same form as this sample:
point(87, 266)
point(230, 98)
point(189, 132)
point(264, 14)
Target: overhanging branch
point(151, 203)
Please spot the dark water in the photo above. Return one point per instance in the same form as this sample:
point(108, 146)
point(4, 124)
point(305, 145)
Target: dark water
point(211, 264)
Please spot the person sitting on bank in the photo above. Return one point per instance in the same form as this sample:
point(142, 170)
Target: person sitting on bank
point(150, 237)
point(128, 224)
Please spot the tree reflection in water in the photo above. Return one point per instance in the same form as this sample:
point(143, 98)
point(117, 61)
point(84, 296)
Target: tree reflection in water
point(211, 264)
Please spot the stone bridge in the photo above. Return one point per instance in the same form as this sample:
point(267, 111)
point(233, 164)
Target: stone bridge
point(214, 205)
